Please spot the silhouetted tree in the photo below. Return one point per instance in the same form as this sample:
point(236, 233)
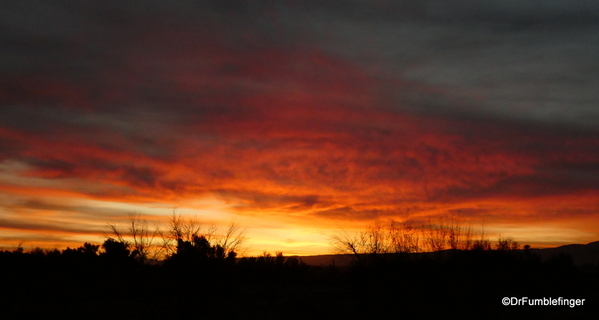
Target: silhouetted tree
point(481, 244)
point(179, 229)
point(199, 251)
point(436, 236)
point(232, 240)
point(86, 251)
point(345, 243)
point(115, 250)
point(403, 238)
point(190, 232)
point(505, 244)
point(141, 237)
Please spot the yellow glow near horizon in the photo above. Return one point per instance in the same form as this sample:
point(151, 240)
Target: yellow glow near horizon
point(36, 218)
point(56, 228)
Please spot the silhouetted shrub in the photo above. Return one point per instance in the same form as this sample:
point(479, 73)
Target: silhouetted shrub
point(116, 251)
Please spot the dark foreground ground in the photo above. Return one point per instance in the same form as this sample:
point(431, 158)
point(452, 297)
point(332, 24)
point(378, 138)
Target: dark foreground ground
point(470, 285)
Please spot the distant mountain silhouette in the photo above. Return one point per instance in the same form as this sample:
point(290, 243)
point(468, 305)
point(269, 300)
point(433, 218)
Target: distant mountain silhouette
point(582, 254)
point(326, 259)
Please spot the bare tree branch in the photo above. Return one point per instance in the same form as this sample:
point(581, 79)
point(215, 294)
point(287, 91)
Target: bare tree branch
point(233, 238)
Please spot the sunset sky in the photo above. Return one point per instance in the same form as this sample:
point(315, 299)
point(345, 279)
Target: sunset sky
point(298, 118)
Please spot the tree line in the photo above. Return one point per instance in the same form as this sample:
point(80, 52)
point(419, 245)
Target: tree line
point(190, 238)
point(183, 236)
point(193, 270)
point(184, 243)
point(446, 233)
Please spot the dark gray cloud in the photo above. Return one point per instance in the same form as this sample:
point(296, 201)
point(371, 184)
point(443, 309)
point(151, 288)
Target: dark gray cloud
point(517, 60)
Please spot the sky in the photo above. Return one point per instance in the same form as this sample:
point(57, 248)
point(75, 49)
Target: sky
point(299, 118)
